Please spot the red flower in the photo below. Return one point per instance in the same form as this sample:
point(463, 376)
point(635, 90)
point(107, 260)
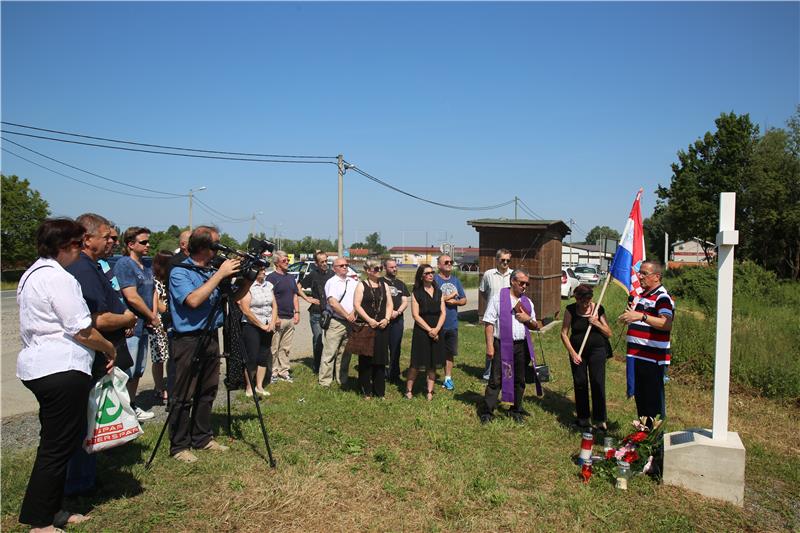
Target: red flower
point(639, 436)
point(630, 457)
point(610, 454)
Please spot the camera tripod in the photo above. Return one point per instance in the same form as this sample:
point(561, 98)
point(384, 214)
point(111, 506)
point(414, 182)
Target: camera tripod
point(199, 364)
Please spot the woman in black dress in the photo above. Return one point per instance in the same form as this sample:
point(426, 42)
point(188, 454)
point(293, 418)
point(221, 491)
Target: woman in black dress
point(372, 303)
point(427, 350)
point(577, 319)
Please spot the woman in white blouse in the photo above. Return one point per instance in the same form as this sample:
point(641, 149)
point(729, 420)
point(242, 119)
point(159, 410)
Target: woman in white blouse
point(58, 344)
point(260, 315)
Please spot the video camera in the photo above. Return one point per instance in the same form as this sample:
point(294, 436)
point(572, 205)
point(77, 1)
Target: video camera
point(252, 261)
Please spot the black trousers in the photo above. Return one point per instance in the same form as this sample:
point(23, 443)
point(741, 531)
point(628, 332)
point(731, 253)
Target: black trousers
point(195, 390)
point(521, 357)
point(258, 344)
point(648, 388)
point(371, 378)
point(63, 399)
point(593, 363)
point(396, 327)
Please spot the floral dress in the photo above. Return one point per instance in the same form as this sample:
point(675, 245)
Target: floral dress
point(159, 350)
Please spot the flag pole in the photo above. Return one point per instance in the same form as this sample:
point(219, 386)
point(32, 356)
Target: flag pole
point(594, 313)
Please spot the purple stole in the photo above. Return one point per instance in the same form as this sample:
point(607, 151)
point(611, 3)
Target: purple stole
point(507, 344)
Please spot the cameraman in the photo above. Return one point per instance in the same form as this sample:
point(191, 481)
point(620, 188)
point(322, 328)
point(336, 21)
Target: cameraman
point(193, 295)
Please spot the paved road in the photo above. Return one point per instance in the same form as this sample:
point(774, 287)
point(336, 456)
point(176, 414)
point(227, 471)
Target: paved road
point(16, 399)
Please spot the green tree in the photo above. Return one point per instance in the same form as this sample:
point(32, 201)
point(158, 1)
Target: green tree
point(372, 242)
point(654, 229)
point(763, 171)
point(166, 240)
point(602, 232)
point(719, 162)
point(23, 211)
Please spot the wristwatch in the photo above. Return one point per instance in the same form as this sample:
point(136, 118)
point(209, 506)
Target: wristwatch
point(644, 317)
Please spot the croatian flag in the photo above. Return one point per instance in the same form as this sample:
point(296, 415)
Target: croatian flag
point(625, 267)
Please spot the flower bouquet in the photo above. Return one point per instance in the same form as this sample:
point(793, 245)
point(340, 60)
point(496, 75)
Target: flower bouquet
point(639, 450)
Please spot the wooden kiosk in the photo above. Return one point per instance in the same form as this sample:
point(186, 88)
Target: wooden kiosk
point(535, 245)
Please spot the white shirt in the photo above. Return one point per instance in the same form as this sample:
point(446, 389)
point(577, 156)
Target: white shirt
point(51, 312)
point(492, 316)
point(335, 288)
point(492, 281)
point(261, 298)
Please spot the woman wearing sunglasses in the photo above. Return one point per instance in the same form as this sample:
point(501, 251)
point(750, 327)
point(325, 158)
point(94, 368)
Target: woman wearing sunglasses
point(577, 319)
point(373, 304)
point(428, 310)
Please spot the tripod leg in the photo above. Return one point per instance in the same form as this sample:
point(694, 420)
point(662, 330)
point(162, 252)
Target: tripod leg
point(264, 430)
point(230, 434)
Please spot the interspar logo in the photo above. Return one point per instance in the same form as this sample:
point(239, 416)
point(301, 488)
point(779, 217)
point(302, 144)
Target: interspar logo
point(110, 406)
point(110, 433)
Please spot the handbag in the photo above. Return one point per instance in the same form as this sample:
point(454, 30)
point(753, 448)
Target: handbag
point(361, 340)
point(541, 372)
point(111, 420)
point(326, 315)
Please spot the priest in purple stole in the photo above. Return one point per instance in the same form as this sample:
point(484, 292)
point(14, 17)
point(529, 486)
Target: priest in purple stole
point(508, 319)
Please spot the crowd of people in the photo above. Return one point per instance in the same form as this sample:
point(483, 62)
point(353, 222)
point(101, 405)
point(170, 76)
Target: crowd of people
point(79, 317)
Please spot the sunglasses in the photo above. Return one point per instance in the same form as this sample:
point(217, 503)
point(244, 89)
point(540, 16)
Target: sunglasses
point(447, 262)
point(429, 272)
point(644, 274)
point(505, 260)
point(76, 242)
point(114, 238)
point(522, 283)
point(143, 243)
point(341, 266)
point(375, 269)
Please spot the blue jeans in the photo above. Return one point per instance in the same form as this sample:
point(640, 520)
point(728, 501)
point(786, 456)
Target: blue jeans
point(316, 338)
point(139, 346)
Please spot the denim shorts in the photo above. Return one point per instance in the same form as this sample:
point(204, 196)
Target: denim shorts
point(139, 347)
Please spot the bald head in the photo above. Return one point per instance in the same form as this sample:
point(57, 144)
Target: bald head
point(183, 241)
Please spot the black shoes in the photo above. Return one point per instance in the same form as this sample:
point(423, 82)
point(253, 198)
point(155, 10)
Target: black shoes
point(486, 418)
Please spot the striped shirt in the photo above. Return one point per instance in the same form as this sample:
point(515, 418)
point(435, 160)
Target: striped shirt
point(644, 341)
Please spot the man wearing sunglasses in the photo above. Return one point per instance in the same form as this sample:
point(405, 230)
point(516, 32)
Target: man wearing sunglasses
point(649, 326)
point(508, 319)
point(454, 296)
point(139, 290)
point(492, 281)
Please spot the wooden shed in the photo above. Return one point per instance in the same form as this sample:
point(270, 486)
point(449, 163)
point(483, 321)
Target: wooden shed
point(535, 245)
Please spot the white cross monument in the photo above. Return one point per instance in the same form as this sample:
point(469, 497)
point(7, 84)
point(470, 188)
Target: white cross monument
point(712, 462)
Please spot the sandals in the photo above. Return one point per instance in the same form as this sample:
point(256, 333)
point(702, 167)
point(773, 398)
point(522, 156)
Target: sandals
point(64, 518)
point(430, 395)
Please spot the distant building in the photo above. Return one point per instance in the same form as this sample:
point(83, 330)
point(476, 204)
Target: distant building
point(417, 255)
point(586, 254)
point(691, 251)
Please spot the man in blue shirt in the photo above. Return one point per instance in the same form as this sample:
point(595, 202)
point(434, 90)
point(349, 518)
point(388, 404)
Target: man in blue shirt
point(454, 297)
point(193, 295)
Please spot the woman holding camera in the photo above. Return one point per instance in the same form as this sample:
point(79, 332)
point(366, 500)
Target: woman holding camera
point(373, 304)
point(577, 319)
point(58, 345)
point(259, 317)
point(428, 310)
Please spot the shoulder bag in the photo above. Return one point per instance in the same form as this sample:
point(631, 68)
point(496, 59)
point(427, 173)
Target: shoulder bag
point(327, 314)
point(361, 338)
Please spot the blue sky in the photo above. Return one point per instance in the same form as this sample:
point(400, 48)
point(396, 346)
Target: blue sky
point(570, 106)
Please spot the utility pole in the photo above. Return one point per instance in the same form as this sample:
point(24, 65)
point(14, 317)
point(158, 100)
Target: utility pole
point(570, 240)
point(515, 207)
point(253, 223)
point(340, 166)
point(191, 195)
point(666, 251)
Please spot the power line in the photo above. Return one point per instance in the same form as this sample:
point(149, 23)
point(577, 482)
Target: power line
point(172, 194)
point(531, 211)
point(83, 136)
point(440, 204)
point(85, 182)
point(223, 215)
point(161, 152)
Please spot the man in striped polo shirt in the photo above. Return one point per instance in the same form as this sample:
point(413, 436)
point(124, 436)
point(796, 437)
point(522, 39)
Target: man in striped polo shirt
point(649, 326)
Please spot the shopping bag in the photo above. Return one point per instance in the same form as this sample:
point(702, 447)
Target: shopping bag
point(111, 419)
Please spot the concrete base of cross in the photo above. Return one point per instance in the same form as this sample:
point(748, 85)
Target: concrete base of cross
point(696, 462)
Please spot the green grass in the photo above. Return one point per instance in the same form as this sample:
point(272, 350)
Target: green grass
point(348, 464)
point(8, 285)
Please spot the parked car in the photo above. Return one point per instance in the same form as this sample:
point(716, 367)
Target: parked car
point(301, 268)
point(568, 282)
point(588, 274)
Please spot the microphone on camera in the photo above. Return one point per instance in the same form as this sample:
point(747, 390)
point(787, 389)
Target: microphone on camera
point(219, 247)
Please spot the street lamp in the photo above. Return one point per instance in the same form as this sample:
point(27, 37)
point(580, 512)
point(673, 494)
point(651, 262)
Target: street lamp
point(191, 193)
point(253, 223)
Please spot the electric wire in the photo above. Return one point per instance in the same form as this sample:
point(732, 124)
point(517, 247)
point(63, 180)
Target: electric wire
point(171, 194)
point(84, 136)
point(440, 204)
point(218, 213)
point(123, 193)
point(161, 152)
point(530, 210)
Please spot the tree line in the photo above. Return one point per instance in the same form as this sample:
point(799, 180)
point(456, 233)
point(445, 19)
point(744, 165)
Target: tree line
point(764, 172)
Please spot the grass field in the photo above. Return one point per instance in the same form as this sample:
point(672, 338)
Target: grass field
point(348, 464)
